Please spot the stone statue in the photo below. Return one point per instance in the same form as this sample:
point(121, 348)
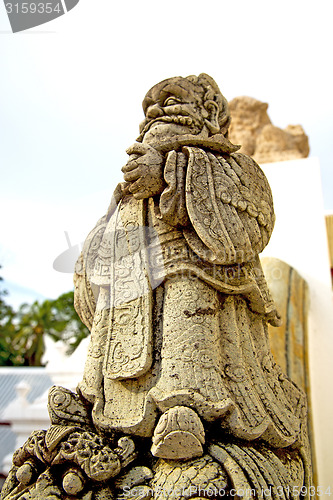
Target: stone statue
point(180, 390)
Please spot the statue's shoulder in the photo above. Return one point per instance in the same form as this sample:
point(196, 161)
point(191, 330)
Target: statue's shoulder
point(247, 189)
point(246, 160)
point(249, 172)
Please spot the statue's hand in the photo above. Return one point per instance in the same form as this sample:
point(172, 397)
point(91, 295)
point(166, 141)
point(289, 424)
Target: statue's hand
point(144, 171)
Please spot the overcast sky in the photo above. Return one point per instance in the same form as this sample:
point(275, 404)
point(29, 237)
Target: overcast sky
point(71, 93)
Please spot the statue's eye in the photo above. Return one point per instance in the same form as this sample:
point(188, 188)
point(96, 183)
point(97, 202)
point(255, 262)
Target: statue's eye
point(170, 101)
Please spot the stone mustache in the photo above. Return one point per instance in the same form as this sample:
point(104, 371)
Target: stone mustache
point(179, 380)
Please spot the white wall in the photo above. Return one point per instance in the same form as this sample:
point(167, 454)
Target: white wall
point(299, 238)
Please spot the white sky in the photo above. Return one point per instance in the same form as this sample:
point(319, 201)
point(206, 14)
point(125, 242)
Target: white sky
point(71, 92)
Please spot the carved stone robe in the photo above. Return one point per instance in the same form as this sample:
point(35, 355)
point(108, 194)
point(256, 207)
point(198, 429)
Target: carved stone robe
point(173, 292)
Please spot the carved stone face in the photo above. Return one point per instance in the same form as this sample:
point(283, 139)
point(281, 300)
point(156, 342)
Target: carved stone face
point(173, 107)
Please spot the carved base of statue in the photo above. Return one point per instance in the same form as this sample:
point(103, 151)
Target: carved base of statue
point(179, 434)
point(71, 460)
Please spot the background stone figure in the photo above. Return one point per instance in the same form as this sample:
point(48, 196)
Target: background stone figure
point(252, 128)
point(179, 374)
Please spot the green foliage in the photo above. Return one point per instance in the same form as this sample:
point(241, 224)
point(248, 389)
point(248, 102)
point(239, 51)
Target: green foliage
point(22, 332)
point(8, 356)
point(75, 331)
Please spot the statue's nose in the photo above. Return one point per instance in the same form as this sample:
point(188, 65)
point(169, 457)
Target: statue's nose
point(154, 111)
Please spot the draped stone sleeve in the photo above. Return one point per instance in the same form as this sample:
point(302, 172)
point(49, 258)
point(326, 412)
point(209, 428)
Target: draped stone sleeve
point(85, 293)
point(230, 207)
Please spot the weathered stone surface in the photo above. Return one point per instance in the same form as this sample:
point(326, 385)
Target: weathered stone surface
point(289, 341)
point(251, 127)
point(179, 434)
point(180, 387)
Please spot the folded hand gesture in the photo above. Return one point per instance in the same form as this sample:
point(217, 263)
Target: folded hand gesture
point(144, 171)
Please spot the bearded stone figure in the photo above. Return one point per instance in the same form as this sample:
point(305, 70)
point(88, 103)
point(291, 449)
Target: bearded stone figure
point(171, 287)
